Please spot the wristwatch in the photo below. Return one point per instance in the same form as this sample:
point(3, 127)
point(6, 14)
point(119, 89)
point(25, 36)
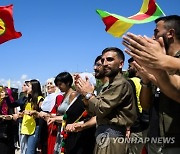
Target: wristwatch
point(88, 96)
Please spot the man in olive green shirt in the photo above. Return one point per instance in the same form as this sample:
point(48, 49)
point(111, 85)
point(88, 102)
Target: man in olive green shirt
point(114, 107)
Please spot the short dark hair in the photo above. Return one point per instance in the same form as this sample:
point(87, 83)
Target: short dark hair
point(64, 77)
point(117, 50)
point(172, 21)
point(130, 60)
point(97, 59)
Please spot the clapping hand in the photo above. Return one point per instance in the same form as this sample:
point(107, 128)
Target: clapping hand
point(83, 86)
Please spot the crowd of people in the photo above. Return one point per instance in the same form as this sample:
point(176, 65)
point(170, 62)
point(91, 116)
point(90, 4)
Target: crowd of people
point(79, 116)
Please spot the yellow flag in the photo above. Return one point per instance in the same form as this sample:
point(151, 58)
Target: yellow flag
point(9, 84)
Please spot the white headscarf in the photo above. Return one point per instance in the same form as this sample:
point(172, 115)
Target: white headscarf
point(49, 102)
point(50, 99)
point(90, 76)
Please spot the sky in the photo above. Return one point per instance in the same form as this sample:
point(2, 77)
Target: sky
point(64, 35)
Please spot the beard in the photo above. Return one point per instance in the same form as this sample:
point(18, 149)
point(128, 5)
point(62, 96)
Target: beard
point(99, 75)
point(166, 43)
point(111, 73)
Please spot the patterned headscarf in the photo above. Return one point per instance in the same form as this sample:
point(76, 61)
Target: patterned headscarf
point(4, 104)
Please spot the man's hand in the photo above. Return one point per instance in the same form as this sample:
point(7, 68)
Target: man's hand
point(145, 73)
point(79, 126)
point(70, 128)
point(83, 86)
point(150, 52)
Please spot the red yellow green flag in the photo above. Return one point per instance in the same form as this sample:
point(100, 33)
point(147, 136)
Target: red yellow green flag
point(7, 31)
point(117, 25)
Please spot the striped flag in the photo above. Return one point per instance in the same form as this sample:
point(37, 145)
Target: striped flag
point(117, 25)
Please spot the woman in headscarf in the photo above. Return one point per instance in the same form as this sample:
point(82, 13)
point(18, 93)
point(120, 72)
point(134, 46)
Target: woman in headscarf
point(49, 109)
point(6, 122)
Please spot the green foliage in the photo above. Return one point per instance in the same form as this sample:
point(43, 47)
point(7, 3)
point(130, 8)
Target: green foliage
point(126, 74)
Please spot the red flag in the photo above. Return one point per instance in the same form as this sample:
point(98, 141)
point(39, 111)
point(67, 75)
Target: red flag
point(7, 31)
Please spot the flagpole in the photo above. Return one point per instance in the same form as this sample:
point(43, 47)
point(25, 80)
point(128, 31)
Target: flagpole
point(9, 84)
point(160, 9)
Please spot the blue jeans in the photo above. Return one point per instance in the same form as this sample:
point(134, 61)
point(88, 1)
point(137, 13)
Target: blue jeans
point(30, 142)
